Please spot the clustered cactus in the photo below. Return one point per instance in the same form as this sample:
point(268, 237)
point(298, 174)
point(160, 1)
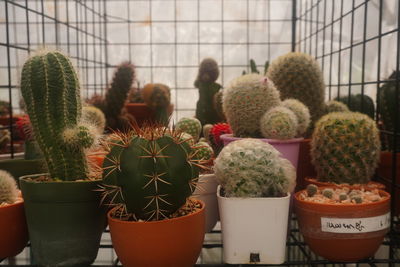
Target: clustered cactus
point(297, 75)
point(345, 148)
point(302, 114)
point(113, 105)
point(51, 91)
point(150, 173)
point(354, 103)
point(191, 126)
point(8, 188)
point(252, 168)
point(246, 100)
point(157, 96)
point(279, 123)
point(206, 83)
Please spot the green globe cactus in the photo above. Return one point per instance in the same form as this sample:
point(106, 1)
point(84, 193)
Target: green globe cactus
point(279, 123)
point(253, 168)
point(8, 188)
point(302, 113)
point(246, 100)
point(95, 116)
point(51, 91)
point(335, 106)
point(311, 189)
point(327, 192)
point(353, 102)
point(203, 151)
point(191, 126)
point(205, 82)
point(345, 148)
point(297, 75)
point(150, 172)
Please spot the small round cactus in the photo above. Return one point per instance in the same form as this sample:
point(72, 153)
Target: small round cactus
point(342, 196)
point(327, 192)
point(203, 151)
point(253, 168)
point(302, 113)
point(185, 137)
point(279, 123)
point(8, 188)
point(95, 116)
point(357, 199)
point(246, 100)
point(81, 136)
point(336, 106)
point(191, 126)
point(312, 189)
point(206, 131)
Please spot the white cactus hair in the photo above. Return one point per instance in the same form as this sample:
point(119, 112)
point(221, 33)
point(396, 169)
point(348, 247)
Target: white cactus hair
point(8, 188)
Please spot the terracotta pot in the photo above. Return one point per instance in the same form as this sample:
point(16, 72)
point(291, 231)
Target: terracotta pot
point(141, 112)
point(370, 185)
point(172, 242)
point(343, 232)
point(13, 230)
point(304, 166)
point(385, 171)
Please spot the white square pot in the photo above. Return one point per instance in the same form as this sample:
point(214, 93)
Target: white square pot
point(254, 229)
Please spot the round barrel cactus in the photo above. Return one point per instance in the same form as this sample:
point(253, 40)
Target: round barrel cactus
point(191, 126)
point(345, 148)
point(279, 123)
point(336, 106)
point(8, 188)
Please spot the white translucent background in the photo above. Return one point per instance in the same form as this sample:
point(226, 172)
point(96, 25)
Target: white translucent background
point(166, 40)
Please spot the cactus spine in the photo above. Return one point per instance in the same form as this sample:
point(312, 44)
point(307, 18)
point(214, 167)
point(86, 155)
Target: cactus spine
point(150, 173)
point(279, 123)
point(8, 188)
point(50, 89)
point(246, 100)
point(345, 148)
point(205, 82)
point(253, 168)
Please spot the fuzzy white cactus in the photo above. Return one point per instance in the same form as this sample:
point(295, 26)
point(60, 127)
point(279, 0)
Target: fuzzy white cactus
point(8, 188)
point(279, 123)
point(302, 113)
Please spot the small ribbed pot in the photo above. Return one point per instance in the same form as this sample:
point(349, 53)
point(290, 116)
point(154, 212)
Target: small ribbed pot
point(65, 220)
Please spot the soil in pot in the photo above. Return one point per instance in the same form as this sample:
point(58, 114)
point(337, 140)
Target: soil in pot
point(343, 232)
point(369, 186)
point(171, 242)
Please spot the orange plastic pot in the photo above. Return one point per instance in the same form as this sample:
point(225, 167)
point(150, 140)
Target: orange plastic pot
point(304, 166)
point(174, 242)
point(13, 230)
point(369, 186)
point(141, 112)
point(343, 247)
point(385, 171)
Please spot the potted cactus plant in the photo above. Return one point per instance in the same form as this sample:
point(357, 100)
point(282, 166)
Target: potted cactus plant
point(253, 198)
point(13, 229)
point(65, 220)
point(253, 108)
point(149, 175)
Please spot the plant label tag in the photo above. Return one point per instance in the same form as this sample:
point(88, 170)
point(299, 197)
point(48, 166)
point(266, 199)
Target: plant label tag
point(355, 225)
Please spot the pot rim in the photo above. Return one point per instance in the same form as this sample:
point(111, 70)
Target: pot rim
point(381, 192)
point(109, 217)
point(13, 204)
point(247, 198)
point(272, 141)
point(24, 178)
point(310, 179)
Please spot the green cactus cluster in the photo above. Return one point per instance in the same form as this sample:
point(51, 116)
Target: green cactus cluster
point(302, 113)
point(353, 102)
point(279, 123)
point(51, 91)
point(203, 151)
point(8, 188)
point(150, 172)
point(335, 106)
point(191, 126)
point(253, 168)
point(94, 116)
point(157, 96)
point(246, 100)
point(254, 69)
point(297, 75)
point(206, 83)
point(345, 148)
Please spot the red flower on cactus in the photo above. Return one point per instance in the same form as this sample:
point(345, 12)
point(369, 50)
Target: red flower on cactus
point(217, 130)
point(24, 127)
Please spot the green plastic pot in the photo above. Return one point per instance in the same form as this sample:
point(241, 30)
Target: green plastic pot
point(65, 220)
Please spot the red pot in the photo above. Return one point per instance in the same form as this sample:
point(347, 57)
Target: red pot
point(172, 242)
point(141, 112)
point(318, 221)
point(13, 230)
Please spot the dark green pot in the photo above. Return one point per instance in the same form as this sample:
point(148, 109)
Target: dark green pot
point(65, 221)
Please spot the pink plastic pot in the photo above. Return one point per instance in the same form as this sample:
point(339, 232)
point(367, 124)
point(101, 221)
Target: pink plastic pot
point(288, 148)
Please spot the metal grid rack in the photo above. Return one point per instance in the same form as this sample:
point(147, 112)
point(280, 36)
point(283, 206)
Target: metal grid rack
point(337, 32)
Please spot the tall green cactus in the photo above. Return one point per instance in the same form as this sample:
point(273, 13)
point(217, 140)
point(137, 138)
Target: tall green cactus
point(51, 91)
point(150, 172)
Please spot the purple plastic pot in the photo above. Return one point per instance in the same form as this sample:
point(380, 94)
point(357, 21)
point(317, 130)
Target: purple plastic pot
point(288, 148)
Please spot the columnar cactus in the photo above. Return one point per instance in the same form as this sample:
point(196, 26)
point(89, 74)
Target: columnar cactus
point(150, 173)
point(253, 168)
point(246, 100)
point(253, 67)
point(354, 104)
point(205, 82)
point(51, 91)
point(302, 113)
point(158, 97)
point(335, 106)
point(297, 75)
point(279, 123)
point(191, 126)
point(95, 116)
point(345, 148)
point(8, 188)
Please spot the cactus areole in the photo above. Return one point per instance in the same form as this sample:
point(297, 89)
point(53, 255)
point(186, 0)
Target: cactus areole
point(150, 173)
point(51, 91)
